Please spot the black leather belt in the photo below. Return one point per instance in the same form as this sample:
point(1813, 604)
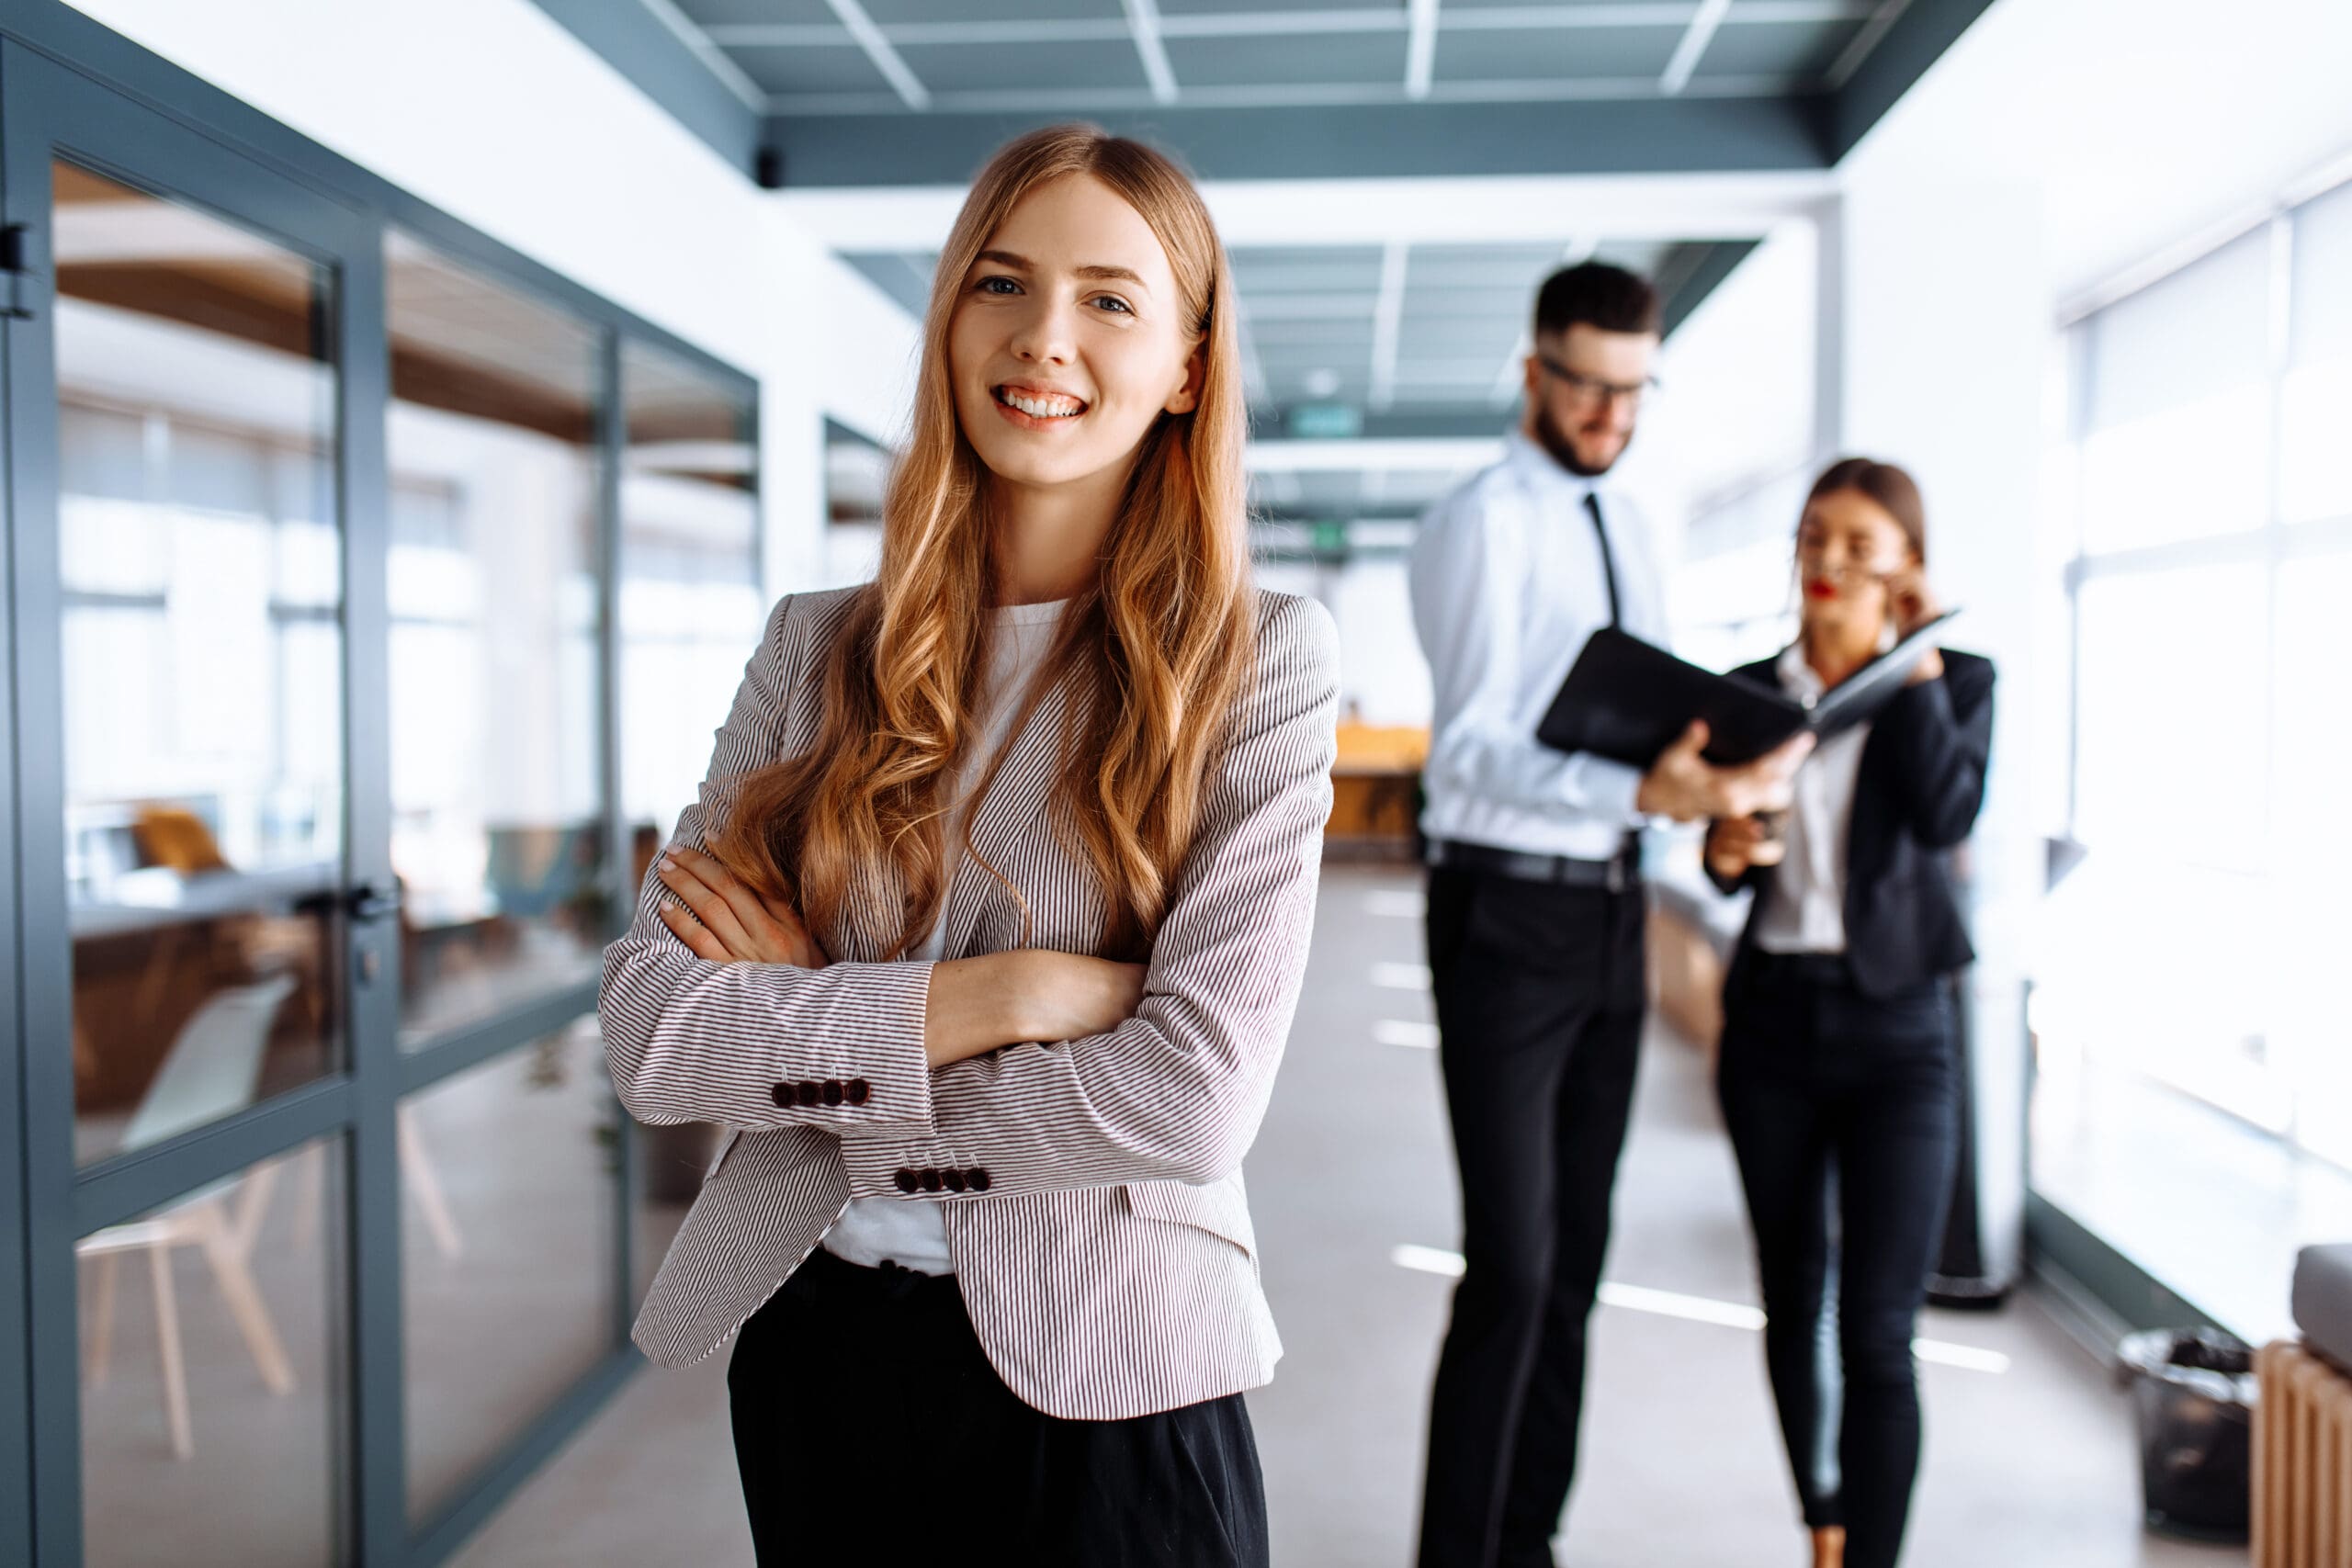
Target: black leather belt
point(1618, 874)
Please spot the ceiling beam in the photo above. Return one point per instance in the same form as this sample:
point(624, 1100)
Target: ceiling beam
point(1143, 21)
point(1471, 129)
point(895, 71)
point(1418, 452)
point(689, 84)
point(1715, 264)
point(1336, 142)
point(1248, 213)
point(1695, 39)
point(1387, 324)
point(1897, 47)
point(1421, 47)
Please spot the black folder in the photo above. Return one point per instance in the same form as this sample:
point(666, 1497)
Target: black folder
point(1629, 699)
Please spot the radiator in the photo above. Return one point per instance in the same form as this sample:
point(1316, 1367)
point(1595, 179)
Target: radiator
point(2302, 1461)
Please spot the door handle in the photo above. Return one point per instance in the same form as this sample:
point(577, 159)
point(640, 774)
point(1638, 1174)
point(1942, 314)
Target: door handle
point(363, 904)
point(367, 903)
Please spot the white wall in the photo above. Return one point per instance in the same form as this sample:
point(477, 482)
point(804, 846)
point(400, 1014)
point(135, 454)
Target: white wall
point(2140, 125)
point(490, 110)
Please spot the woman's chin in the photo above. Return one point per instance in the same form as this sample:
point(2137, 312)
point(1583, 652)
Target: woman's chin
point(1833, 618)
point(1017, 464)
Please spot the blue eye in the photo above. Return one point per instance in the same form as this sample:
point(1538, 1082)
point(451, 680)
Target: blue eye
point(984, 286)
point(1114, 302)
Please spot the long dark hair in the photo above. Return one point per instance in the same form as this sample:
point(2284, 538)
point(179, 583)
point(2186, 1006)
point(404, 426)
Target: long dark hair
point(1892, 488)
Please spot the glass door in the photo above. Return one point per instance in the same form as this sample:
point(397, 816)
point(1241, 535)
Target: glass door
point(206, 919)
point(346, 547)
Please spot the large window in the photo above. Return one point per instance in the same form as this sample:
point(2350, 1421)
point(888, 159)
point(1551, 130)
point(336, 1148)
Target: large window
point(2212, 489)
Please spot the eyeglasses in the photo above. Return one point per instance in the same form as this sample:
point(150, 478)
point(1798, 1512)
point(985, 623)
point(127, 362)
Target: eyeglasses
point(1592, 389)
point(1852, 556)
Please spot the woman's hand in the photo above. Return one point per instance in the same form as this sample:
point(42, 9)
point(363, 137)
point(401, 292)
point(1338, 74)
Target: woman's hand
point(731, 923)
point(1913, 604)
point(1737, 843)
point(1070, 996)
point(979, 1005)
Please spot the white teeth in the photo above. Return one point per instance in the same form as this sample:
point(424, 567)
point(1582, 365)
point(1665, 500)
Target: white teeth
point(1042, 407)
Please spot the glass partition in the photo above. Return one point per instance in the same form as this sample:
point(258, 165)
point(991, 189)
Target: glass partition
point(200, 615)
point(493, 580)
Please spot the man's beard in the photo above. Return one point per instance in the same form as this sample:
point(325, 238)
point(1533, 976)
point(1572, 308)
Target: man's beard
point(1554, 440)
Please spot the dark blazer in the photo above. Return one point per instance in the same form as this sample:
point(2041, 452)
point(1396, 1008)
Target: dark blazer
point(1916, 795)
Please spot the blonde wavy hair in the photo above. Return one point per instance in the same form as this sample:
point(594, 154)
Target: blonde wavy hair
point(1155, 652)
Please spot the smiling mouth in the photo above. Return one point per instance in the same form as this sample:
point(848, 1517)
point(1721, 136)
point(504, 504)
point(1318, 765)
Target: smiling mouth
point(1039, 405)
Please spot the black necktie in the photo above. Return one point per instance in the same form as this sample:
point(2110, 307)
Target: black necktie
point(1608, 561)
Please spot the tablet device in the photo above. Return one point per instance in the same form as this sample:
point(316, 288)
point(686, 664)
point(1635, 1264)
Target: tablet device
point(1629, 699)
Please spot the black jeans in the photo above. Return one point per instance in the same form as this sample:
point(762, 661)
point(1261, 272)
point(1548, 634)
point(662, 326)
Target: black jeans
point(1843, 1104)
point(870, 1429)
point(1539, 996)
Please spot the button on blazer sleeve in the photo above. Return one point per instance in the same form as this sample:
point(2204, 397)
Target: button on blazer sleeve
point(760, 1045)
point(1176, 1092)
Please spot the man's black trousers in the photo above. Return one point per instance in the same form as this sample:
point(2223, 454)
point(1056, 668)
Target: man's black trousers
point(1539, 991)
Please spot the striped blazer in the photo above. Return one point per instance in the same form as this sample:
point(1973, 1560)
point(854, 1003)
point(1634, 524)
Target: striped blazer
point(1092, 1187)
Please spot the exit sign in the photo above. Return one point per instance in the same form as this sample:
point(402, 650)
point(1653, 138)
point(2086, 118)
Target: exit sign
point(1325, 421)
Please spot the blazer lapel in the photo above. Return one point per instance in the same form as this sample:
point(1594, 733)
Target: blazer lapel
point(1009, 815)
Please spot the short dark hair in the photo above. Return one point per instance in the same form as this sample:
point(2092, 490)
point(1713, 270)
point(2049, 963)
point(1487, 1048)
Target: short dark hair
point(1596, 295)
point(1894, 489)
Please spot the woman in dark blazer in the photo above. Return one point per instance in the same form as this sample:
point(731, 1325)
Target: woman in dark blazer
point(1836, 1072)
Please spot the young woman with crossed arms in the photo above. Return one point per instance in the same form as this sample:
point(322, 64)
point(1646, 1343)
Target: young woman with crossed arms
point(986, 935)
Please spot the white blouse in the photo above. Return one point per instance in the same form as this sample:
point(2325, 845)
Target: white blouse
point(1804, 900)
point(901, 1230)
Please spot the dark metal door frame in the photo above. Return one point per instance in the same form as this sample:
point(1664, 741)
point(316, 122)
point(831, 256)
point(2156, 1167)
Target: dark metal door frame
point(69, 85)
point(49, 112)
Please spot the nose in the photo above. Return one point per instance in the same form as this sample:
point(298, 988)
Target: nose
point(1047, 333)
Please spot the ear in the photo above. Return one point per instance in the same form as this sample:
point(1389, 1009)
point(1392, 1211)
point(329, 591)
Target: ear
point(1187, 396)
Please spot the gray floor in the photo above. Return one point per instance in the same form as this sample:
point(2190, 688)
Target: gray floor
point(2026, 1467)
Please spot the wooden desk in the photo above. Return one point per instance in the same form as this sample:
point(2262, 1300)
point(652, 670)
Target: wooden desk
point(1376, 792)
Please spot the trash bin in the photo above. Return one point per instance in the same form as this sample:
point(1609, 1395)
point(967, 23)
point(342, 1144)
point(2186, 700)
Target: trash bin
point(2194, 1390)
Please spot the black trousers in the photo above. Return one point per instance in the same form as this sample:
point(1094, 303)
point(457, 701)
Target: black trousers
point(1842, 1108)
point(1539, 996)
point(870, 1428)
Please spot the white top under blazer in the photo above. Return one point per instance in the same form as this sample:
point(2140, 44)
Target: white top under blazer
point(899, 1229)
point(1092, 1189)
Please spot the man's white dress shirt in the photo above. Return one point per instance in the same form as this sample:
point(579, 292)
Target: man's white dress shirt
point(1507, 584)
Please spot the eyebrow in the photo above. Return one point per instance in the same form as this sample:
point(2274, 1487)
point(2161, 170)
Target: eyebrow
point(1023, 264)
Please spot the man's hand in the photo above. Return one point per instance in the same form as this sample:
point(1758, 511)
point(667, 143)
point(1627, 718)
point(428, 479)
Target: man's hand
point(1735, 843)
point(1683, 785)
point(730, 923)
